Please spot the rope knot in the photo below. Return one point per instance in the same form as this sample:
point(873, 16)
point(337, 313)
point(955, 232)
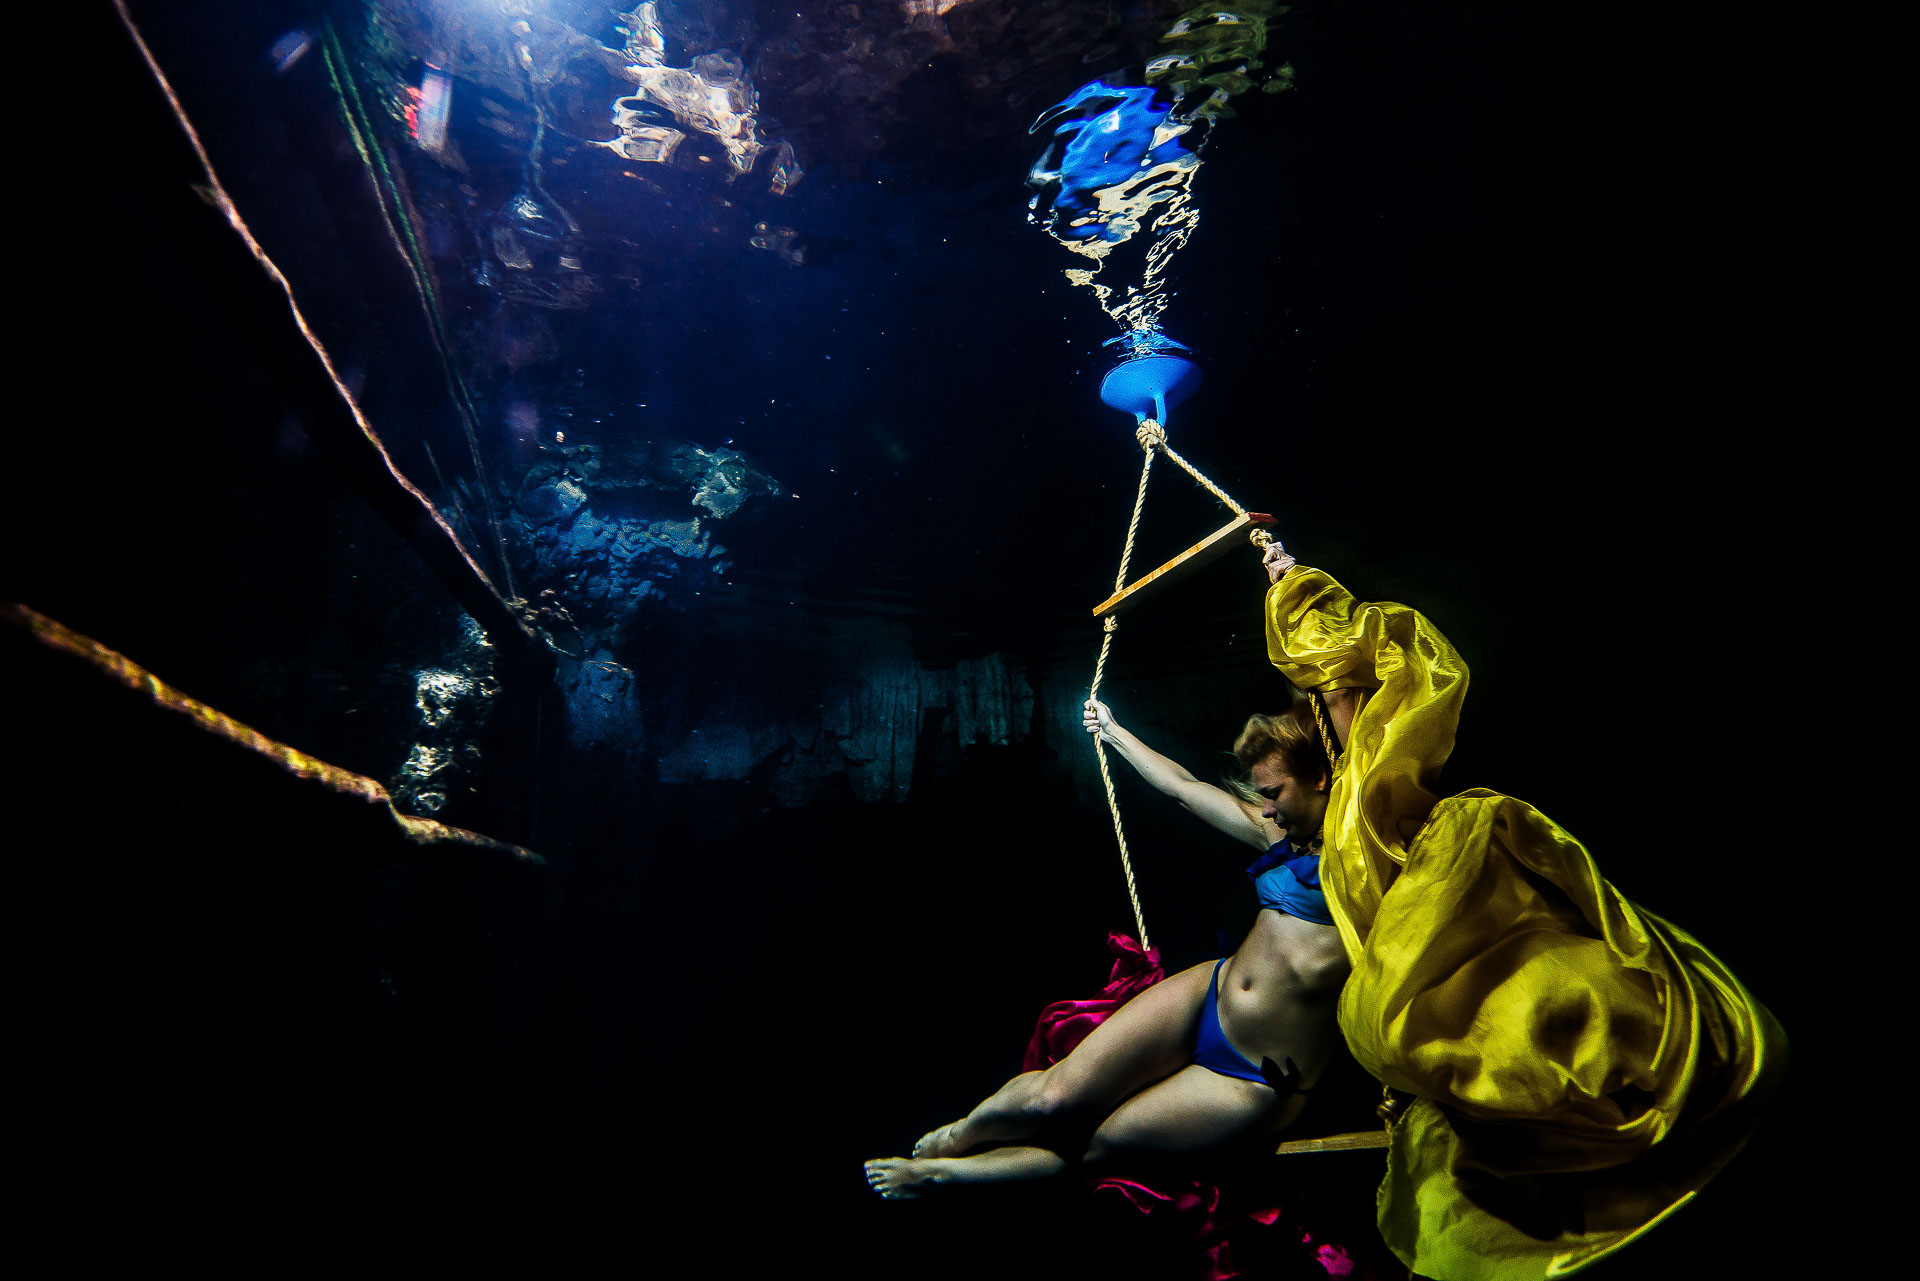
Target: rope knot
point(1151, 434)
point(1111, 623)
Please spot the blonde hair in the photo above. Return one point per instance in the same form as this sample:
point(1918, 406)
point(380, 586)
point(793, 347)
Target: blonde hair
point(1292, 735)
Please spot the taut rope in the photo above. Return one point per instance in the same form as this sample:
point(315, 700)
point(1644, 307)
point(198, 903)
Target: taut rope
point(1149, 433)
point(1152, 437)
point(1326, 738)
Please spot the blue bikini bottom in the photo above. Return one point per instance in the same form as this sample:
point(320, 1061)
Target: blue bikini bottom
point(1210, 1048)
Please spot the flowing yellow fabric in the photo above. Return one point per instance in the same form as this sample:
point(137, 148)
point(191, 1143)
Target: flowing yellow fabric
point(1582, 1067)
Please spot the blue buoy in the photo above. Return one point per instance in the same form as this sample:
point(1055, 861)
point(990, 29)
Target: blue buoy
point(1148, 386)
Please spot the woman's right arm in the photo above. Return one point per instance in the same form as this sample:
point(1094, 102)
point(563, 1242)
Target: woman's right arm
point(1215, 806)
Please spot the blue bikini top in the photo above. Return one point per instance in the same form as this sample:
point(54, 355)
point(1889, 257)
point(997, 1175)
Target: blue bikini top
point(1289, 881)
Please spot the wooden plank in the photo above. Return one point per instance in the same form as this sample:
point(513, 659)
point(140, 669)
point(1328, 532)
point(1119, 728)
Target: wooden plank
point(1335, 1143)
point(1202, 553)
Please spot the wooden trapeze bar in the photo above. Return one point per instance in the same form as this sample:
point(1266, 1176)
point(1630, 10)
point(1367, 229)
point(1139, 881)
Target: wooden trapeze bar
point(1202, 553)
point(1334, 1143)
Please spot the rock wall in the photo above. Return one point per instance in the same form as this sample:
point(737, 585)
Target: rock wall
point(879, 721)
point(616, 548)
point(453, 701)
point(597, 532)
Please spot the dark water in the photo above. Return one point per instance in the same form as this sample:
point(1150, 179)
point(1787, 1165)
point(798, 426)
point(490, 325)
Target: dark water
point(820, 831)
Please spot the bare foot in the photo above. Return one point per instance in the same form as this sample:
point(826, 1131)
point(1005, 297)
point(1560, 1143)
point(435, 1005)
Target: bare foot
point(900, 1178)
point(937, 1143)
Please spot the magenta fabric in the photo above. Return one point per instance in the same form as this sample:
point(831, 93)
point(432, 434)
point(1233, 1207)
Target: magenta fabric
point(1246, 1228)
point(1065, 1024)
point(1238, 1230)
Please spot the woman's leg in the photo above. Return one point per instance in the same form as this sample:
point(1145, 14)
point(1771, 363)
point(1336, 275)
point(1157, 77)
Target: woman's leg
point(903, 1178)
point(1148, 1038)
point(1191, 1110)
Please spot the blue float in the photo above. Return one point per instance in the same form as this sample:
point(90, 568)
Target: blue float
point(1147, 386)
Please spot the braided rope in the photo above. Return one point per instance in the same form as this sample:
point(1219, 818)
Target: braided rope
point(1148, 439)
point(1194, 472)
point(1152, 436)
point(1320, 719)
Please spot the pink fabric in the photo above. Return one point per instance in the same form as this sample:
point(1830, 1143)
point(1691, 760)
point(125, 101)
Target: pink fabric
point(1236, 1230)
point(1065, 1024)
point(1241, 1228)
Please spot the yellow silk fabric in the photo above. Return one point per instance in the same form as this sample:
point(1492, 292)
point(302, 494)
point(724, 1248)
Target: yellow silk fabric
point(1581, 1066)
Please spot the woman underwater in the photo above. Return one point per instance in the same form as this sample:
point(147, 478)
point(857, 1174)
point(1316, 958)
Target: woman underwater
point(1223, 1051)
point(1579, 1067)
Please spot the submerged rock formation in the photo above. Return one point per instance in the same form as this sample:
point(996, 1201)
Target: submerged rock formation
point(597, 531)
point(880, 721)
point(597, 534)
point(453, 701)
